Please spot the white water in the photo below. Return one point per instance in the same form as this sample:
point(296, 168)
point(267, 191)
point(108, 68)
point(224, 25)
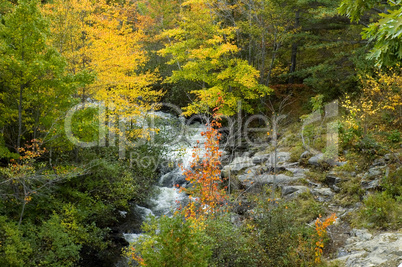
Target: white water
point(170, 199)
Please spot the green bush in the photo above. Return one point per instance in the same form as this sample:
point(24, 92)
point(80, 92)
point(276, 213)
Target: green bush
point(232, 245)
point(57, 246)
point(380, 211)
point(171, 242)
point(287, 241)
point(393, 184)
point(14, 249)
point(394, 136)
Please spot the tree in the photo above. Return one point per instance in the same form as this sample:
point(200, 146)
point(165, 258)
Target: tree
point(293, 42)
point(204, 175)
point(35, 90)
point(107, 43)
point(205, 54)
point(385, 34)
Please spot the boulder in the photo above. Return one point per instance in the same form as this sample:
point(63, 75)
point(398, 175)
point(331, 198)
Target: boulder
point(336, 189)
point(261, 179)
point(281, 157)
point(305, 154)
point(323, 194)
point(316, 160)
point(172, 179)
point(332, 179)
point(297, 172)
point(364, 249)
point(259, 159)
point(379, 162)
point(374, 172)
point(292, 189)
point(237, 165)
point(370, 185)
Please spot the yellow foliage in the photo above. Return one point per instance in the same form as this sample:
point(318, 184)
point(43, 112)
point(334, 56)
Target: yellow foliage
point(381, 96)
point(99, 38)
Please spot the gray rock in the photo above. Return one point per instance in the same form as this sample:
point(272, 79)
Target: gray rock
point(287, 190)
point(261, 179)
point(364, 249)
point(305, 154)
point(323, 194)
point(374, 172)
point(361, 234)
point(268, 158)
point(281, 156)
point(391, 156)
point(378, 162)
point(340, 163)
point(260, 159)
point(369, 185)
point(235, 219)
point(332, 178)
point(316, 160)
point(311, 184)
point(238, 164)
point(297, 172)
point(172, 178)
point(336, 189)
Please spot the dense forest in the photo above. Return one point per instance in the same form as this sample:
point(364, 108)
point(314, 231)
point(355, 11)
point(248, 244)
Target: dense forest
point(82, 82)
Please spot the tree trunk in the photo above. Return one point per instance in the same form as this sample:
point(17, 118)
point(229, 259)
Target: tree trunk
point(293, 56)
point(20, 119)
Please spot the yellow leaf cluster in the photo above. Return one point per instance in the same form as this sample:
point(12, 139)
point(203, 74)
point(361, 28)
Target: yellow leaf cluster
point(100, 38)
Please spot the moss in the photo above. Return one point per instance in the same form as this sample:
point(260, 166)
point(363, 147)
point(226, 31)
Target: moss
point(296, 151)
point(308, 208)
point(316, 176)
point(351, 192)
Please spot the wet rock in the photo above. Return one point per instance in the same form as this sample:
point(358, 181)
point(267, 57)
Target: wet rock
point(172, 179)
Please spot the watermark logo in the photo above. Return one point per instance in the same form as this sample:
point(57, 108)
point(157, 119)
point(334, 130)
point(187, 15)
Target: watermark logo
point(114, 129)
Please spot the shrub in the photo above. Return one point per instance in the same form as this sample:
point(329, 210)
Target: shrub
point(14, 250)
point(232, 245)
point(170, 242)
point(393, 184)
point(286, 240)
point(380, 211)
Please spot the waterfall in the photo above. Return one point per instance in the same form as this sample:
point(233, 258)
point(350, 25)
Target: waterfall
point(169, 197)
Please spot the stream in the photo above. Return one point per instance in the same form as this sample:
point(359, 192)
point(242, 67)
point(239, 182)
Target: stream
point(180, 150)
